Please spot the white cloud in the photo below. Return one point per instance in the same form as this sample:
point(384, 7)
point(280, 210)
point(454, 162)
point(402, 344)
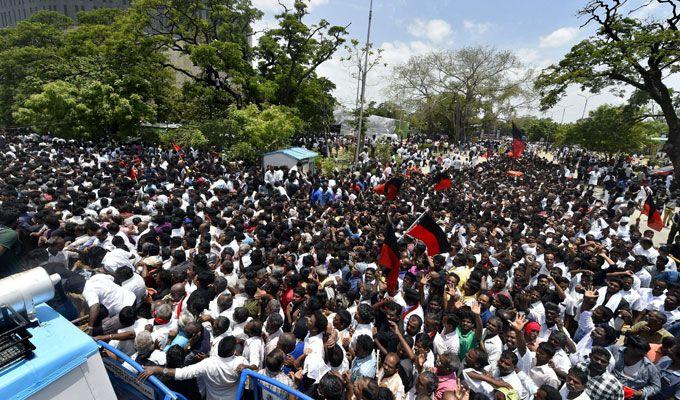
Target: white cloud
point(476, 27)
point(273, 6)
point(436, 30)
point(527, 56)
point(559, 38)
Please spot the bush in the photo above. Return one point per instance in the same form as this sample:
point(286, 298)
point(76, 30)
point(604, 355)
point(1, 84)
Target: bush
point(185, 136)
point(257, 132)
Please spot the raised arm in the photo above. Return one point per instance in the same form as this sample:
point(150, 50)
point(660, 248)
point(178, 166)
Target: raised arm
point(518, 325)
point(477, 309)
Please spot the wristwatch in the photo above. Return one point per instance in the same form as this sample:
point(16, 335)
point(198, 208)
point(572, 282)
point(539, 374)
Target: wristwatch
point(165, 371)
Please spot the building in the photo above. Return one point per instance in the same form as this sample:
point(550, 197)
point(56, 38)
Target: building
point(290, 158)
point(13, 11)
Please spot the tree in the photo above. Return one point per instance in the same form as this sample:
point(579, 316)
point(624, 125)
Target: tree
point(472, 81)
point(387, 109)
point(626, 52)
point(92, 77)
point(288, 59)
point(261, 131)
point(91, 110)
point(214, 36)
point(538, 128)
point(355, 58)
point(595, 131)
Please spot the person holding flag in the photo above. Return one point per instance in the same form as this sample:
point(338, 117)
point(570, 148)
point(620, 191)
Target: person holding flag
point(653, 216)
point(389, 257)
point(427, 231)
point(390, 189)
point(518, 141)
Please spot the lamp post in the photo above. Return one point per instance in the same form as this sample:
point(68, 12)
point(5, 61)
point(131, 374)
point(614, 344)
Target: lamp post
point(583, 115)
point(363, 89)
point(564, 110)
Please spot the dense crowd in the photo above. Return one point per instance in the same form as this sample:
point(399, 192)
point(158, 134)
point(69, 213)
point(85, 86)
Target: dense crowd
point(553, 288)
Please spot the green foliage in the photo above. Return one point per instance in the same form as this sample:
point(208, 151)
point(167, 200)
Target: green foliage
point(608, 129)
point(339, 162)
point(624, 53)
point(383, 151)
point(454, 92)
point(185, 136)
point(88, 111)
point(386, 109)
point(87, 80)
point(107, 71)
point(289, 57)
point(257, 132)
point(537, 128)
point(214, 39)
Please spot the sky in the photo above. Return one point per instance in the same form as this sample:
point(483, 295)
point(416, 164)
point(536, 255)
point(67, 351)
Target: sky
point(539, 32)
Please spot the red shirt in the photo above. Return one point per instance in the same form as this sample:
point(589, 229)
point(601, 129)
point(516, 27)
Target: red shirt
point(287, 297)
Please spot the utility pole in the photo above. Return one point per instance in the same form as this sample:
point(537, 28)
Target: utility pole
point(564, 110)
point(360, 140)
point(583, 115)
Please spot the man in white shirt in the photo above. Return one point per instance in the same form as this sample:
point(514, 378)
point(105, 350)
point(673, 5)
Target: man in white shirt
point(273, 331)
point(542, 373)
point(105, 299)
point(253, 348)
point(504, 376)
point(132, 282)
point(646, 248)
point(219, 373)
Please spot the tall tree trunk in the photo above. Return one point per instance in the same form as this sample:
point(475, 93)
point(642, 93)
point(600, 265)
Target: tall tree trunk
point(660, 93)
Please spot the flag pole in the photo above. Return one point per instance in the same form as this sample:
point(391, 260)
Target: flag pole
point(359, 136)
point(413, 224)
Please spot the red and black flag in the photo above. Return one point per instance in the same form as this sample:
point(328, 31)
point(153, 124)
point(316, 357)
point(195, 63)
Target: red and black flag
point(442, 181)
point(653, 216)
point(427, 231)
point(176, 147)
point(390, 189)
point(518, 142)
point(389, 258)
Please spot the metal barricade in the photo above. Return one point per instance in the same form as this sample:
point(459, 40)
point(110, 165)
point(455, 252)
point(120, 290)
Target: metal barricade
point(263, 384)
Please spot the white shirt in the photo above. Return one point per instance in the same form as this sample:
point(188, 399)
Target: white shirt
point(564, 392)
point(651, 302)
point(494, 348)
point(650, 253)
point(219, 375)
point(136, 285)
point(253, 351)
point(117, 258)
point(362, 329)
point(272, 341)
point(128, 346)
point(444, 343)
point(544, 375)
point(100, 289)
point(315, 344)
point(161, 332)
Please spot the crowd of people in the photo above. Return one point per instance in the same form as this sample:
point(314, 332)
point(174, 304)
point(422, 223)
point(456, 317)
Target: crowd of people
point(553, 288)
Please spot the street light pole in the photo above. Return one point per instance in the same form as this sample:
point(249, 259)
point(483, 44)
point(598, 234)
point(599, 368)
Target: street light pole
point(583, 115)
point(564, 110)
point(363, 89)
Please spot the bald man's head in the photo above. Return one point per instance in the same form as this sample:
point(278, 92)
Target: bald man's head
point(177, 291)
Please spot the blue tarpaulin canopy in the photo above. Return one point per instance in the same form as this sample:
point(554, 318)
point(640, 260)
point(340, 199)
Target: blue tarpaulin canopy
point(298, 153)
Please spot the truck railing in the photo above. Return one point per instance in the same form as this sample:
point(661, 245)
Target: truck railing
point(264, 383)
point(158, 386)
